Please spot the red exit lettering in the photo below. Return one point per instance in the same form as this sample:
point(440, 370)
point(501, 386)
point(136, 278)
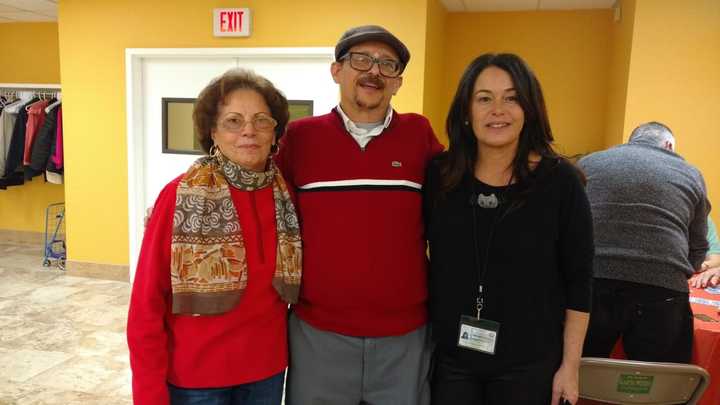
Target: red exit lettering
point(231, 21)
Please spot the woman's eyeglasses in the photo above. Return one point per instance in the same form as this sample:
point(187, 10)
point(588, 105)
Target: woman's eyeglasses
point(236, 122)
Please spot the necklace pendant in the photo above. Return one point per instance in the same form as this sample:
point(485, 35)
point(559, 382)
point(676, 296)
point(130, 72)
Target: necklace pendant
point(487, 201)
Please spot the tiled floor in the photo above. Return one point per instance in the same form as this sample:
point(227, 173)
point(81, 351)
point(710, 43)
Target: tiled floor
point(62, 338)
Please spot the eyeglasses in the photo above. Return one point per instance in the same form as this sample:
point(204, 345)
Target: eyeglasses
point(363, 63)
point(236, 122)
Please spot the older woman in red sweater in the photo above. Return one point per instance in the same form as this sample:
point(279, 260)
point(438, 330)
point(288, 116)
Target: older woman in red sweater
point(220, 260)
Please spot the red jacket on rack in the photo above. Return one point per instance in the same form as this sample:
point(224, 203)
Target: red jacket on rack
point(36, 119)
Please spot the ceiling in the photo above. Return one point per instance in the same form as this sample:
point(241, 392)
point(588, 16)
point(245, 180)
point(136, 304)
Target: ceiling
point(522, 5)
point(46, 10)
point(28, 10)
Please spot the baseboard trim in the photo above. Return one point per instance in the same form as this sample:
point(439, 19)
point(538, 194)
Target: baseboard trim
point(97, 270)
point(25, 237)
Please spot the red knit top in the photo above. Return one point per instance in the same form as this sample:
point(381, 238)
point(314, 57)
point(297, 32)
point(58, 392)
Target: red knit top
point(244, 345)
point(360, 209)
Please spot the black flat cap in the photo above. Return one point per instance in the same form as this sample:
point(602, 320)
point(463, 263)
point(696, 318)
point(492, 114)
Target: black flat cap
point(366, 33)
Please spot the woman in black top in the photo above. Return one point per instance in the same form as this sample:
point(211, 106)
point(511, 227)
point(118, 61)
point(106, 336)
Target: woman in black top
point(511, 247)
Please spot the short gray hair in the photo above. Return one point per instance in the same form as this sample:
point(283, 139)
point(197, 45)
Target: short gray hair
point(652, 133)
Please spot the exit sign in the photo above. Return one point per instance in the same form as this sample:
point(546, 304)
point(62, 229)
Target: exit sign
point(231, 22)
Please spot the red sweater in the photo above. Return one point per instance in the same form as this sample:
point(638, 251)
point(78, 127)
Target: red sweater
point(244, 345)
point(364, 262)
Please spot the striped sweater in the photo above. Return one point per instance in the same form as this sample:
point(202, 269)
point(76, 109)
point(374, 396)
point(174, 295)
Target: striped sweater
point(360, 209)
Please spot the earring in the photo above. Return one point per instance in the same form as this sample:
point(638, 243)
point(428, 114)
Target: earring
point(467, 123)
point(214, 151)
point(274, 149)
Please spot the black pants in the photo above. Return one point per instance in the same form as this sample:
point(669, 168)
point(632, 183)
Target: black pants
point(454, 383)
point(655, 323)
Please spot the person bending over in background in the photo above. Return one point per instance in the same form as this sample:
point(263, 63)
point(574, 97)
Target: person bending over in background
point(650, 214)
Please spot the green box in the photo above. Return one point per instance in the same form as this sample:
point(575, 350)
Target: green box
point(635, 383)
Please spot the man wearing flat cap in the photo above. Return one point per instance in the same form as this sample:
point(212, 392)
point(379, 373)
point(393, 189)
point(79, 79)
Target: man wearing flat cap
point(358, 334)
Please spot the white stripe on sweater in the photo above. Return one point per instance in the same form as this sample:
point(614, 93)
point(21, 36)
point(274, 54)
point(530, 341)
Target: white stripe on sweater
point(361, 182)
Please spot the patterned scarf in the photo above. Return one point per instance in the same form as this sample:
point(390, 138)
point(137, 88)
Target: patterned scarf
point(208, 267)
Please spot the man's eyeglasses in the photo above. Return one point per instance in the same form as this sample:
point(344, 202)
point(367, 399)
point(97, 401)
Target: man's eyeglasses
point(363, 63)
point(235, 122)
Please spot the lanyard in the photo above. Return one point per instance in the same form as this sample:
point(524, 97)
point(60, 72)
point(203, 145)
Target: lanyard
point(482, 270)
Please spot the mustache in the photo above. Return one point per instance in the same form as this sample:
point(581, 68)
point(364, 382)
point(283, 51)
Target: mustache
point(372, 80)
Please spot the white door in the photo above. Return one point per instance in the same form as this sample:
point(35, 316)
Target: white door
point(300, 77)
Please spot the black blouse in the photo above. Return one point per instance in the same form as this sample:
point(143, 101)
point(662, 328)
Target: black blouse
point(536, 248)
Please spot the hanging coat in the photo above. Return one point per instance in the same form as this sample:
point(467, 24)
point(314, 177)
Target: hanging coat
point(13, 175)
point(42, 145)
point(7, 123)
point(54, 172)
point(35, 121)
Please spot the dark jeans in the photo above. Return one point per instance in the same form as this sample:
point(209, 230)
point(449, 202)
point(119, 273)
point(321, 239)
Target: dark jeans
point(655, 323)
point(264, 392)
point(453, 383)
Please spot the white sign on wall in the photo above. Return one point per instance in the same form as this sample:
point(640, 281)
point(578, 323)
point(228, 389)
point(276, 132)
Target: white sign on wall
point(231, 22)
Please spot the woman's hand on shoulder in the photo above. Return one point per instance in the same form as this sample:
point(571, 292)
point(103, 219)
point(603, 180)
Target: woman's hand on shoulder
point(534, 159)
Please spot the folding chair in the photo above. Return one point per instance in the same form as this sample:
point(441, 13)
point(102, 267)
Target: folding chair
point(612, 381)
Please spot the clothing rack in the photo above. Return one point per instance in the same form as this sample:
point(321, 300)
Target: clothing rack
point(23, 90)
point(33, 146)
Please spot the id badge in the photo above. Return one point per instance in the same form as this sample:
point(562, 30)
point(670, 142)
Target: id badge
point(479, 335)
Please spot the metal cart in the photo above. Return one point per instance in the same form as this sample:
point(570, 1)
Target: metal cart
point(55, 235)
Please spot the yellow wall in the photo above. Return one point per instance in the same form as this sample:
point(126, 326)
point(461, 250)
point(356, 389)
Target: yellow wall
point(621, 44)
point(29, 53)
point(568, 50)
point(434, 104)
point(93, 37)
point(600, 78)
point(675, 79)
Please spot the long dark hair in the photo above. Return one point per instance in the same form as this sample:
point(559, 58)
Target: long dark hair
point(536, 135)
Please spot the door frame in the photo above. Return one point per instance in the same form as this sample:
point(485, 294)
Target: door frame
point(135, 120)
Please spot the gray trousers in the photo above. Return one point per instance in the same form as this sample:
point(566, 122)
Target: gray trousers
point(327, 368)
